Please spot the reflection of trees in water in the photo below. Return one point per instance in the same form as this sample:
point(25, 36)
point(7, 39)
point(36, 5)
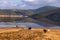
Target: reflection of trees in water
point(7, 19)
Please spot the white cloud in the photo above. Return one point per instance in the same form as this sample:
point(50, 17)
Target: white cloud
point(49, 0)
point(27, 4)
point(30, 0)
point(3, 3)
point(33, 1)
point(23, 5)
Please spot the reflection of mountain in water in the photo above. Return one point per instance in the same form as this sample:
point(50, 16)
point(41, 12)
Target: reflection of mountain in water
point(54, 17)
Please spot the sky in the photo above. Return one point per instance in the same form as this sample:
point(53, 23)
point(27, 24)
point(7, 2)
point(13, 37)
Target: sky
point(27, 4)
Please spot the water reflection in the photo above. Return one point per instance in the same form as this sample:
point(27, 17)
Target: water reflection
point(13, 24)
point(26, 24)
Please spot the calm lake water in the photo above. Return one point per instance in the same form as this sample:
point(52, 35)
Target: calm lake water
point(26, 24)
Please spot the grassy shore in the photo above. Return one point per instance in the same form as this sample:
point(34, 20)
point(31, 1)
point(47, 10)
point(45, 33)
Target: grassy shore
point(29, 34)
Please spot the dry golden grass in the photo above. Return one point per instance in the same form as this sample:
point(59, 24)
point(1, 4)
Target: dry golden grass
point(26, 34)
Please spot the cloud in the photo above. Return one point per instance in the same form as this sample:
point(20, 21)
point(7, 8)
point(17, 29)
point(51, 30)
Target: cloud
point(27, 4)
point(54, 3)
point(5, 4)
point(23, 5)
point(30, 0)
point(49, 0)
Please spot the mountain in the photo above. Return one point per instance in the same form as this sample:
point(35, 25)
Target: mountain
point(27, 12)
point(24, 12)
point(47, 14)
point(35, 11)
point(45, 8)
point(42, 14)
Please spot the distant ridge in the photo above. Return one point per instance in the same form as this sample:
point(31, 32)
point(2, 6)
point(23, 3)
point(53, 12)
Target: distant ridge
point(45, 8)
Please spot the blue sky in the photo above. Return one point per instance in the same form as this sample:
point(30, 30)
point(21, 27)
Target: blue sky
point(27, 4)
